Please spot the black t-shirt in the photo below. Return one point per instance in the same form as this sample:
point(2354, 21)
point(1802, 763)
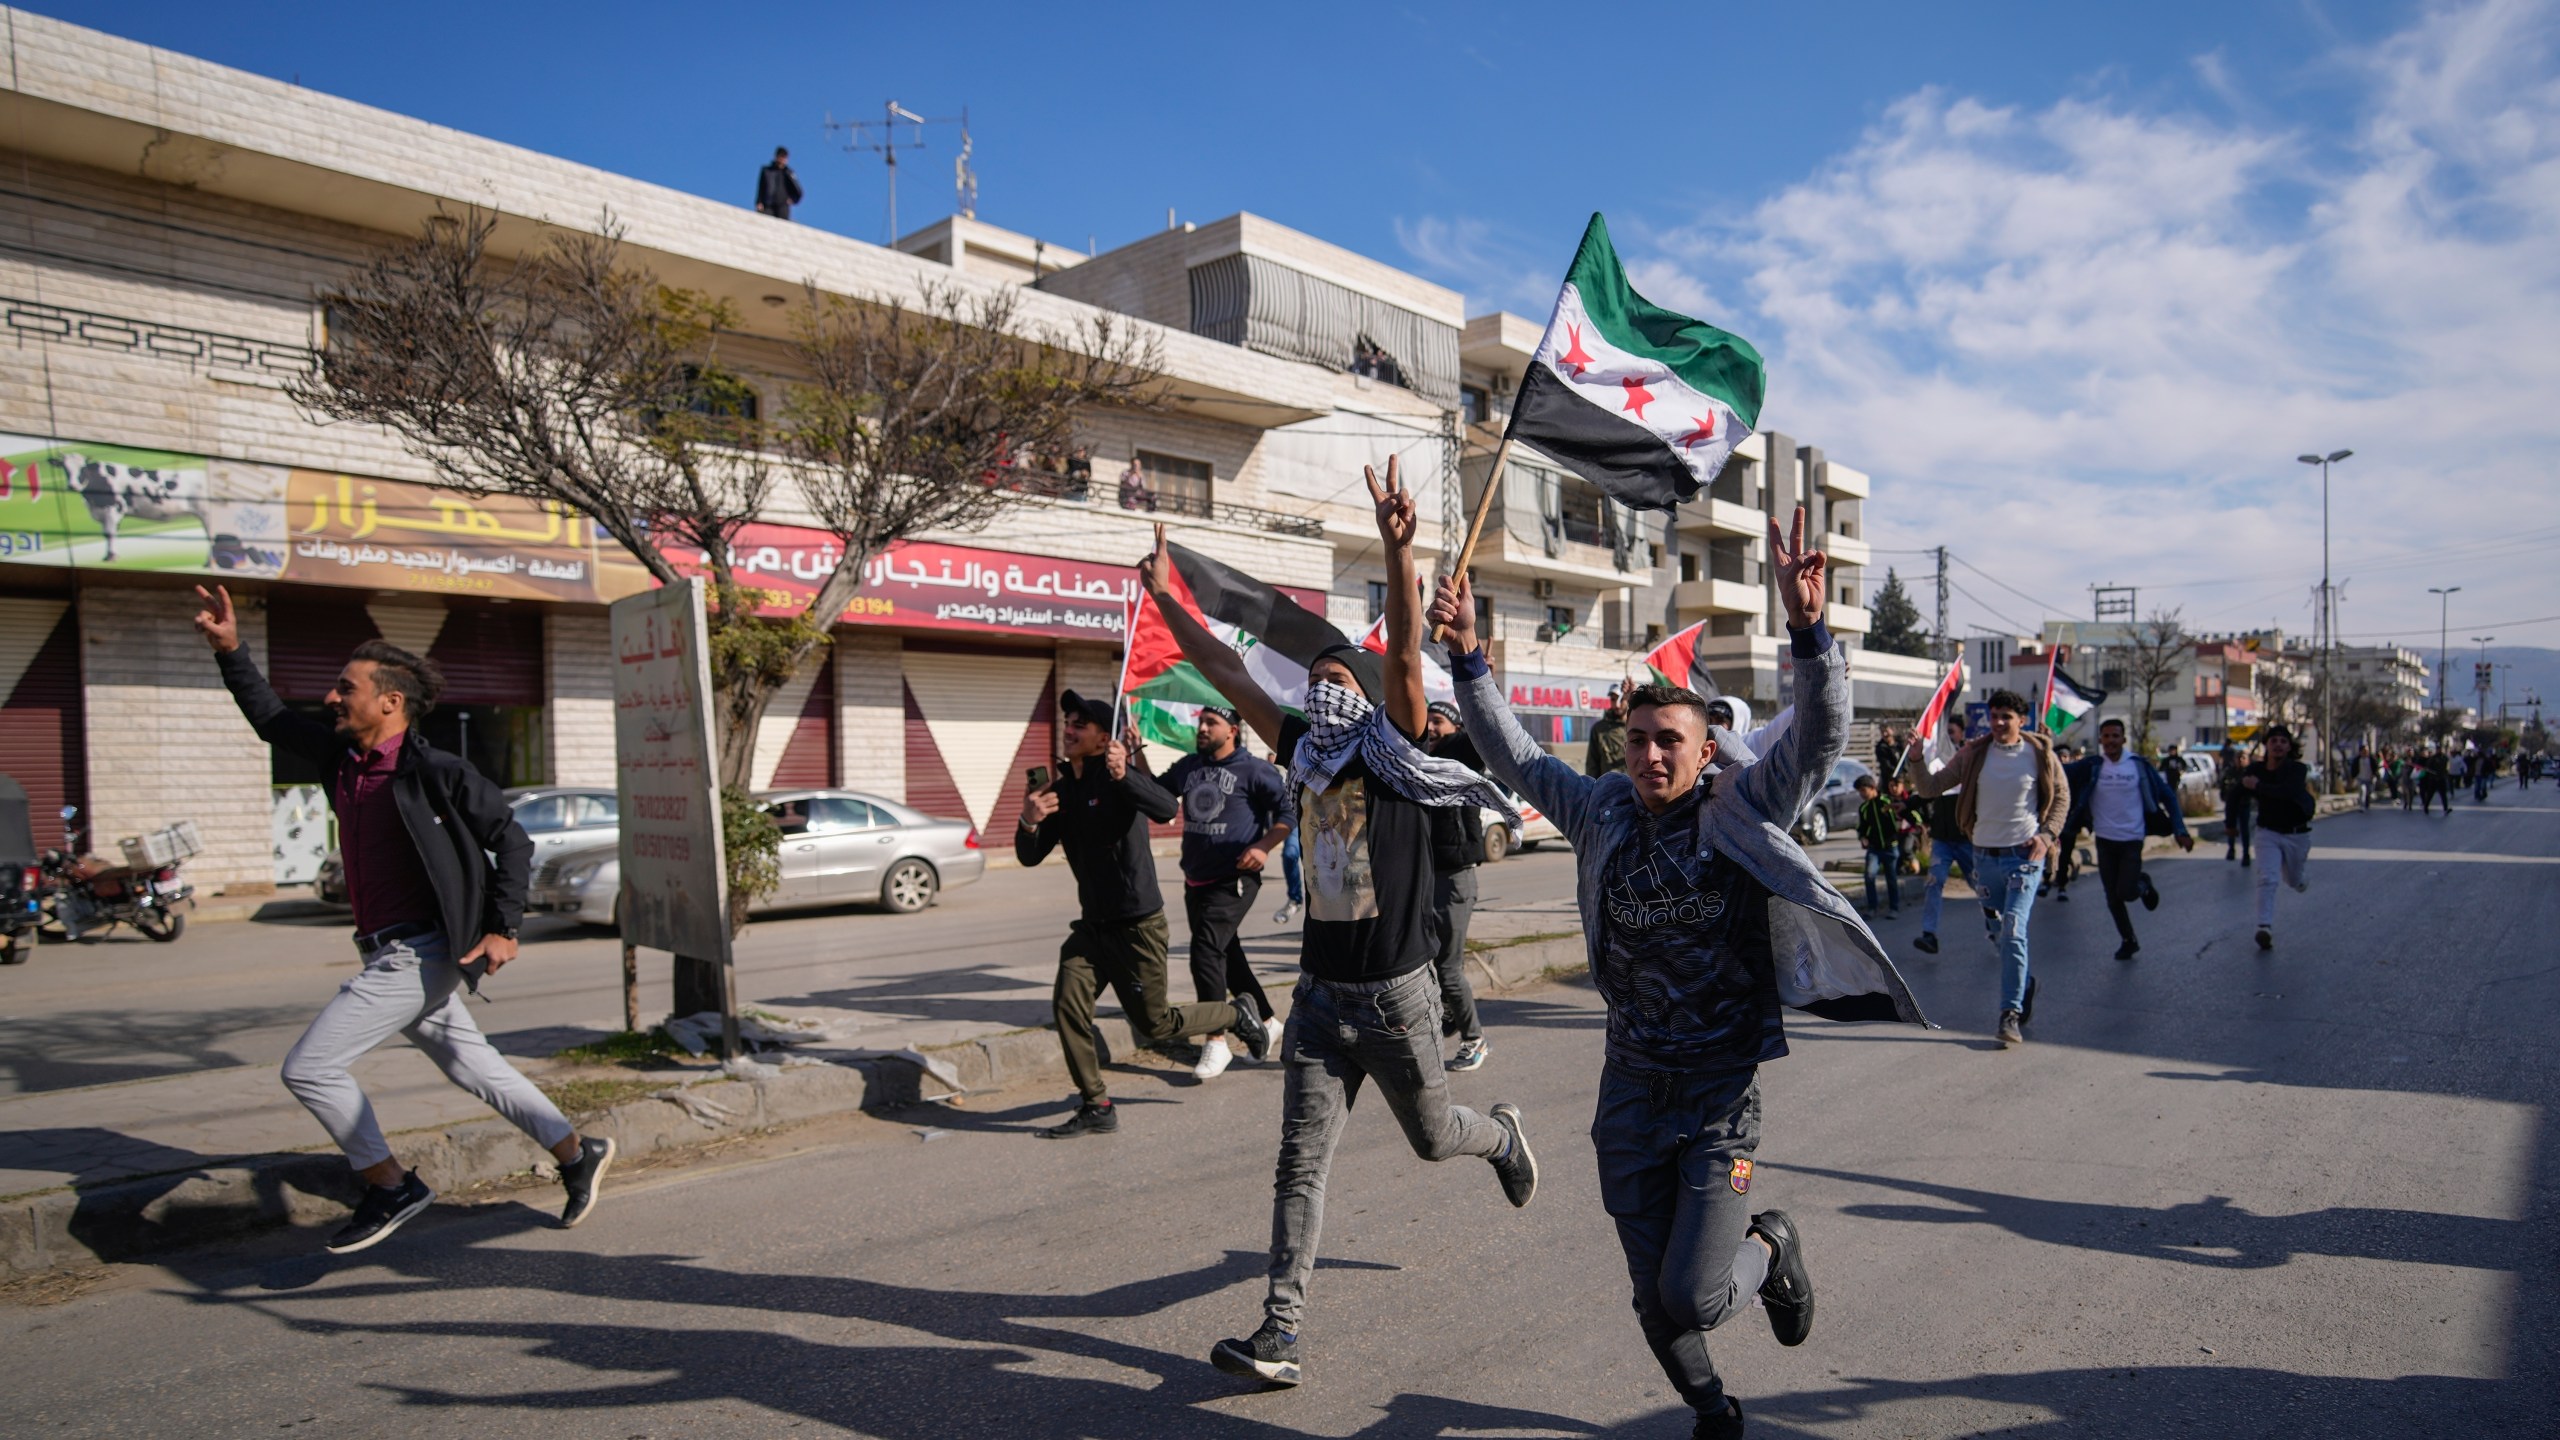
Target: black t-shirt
point(1457, 831)
point(2285, 804)
point(1685, 962)
point(1366, 856)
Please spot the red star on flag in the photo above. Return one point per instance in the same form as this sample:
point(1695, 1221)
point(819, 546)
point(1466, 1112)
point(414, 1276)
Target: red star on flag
point(1573, 361)
point(1706, 431)
point(1638, 397)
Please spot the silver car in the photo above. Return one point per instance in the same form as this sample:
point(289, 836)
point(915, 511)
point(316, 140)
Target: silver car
point(838, 847)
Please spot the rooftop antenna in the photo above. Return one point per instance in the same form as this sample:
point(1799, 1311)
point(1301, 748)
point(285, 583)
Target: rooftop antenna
point(964, 180)
point(900, 128)
point(2112, 602)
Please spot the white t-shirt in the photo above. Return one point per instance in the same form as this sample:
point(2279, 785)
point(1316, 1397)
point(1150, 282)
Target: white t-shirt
point(2115, 799)
point(2005, 813)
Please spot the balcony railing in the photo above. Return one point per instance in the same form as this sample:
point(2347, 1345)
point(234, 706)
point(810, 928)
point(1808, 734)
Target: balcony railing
point(1078, 489)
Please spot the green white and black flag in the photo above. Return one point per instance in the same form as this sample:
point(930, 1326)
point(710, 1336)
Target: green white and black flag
point(1642, 402)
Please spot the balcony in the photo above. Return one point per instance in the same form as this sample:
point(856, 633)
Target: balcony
point(1712, 516)
point(1847, 550)
point(1850, 618)
point(1848, 484)
point(1695, 598)
point(1078, 489)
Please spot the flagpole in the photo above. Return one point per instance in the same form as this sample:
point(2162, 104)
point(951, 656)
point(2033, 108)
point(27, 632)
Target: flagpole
point(2052, 662)
point(1475, 527)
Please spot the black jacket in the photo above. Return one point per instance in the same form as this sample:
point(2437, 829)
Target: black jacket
point(455, 817)
point(777, 190)
point(1457, 831)
point(1102, 822)
point(2285, 803)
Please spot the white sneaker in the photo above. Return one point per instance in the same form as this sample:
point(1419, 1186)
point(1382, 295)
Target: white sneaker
point(1215, 1057)
point(1281, 915)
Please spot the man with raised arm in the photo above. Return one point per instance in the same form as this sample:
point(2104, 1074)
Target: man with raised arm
point(1367, 1007)
point(1703, 921)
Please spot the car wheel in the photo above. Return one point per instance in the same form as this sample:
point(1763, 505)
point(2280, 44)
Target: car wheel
point(909, 886)
point(1497, 842)
point(1817, 826)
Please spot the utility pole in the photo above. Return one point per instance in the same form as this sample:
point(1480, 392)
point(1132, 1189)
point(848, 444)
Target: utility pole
point(2328, 616)
point(2444, 665)
point(882, 138)
point(1946, 643)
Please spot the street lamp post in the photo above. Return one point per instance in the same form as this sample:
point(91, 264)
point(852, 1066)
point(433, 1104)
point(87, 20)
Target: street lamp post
point(2328, 619)
point(2483, 642)
point(2444, 664)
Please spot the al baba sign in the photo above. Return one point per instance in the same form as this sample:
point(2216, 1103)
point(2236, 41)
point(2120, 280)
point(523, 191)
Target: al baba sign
point(674, 871)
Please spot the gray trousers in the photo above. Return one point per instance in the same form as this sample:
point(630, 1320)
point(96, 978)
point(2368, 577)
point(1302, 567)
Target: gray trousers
point(2285, 855)
point(1339, 1035)
point(1675, 1174)
point(409, 987)
point(1453, 904)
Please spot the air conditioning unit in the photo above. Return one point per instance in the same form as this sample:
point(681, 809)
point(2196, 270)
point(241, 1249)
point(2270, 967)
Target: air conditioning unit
point(1543, 589)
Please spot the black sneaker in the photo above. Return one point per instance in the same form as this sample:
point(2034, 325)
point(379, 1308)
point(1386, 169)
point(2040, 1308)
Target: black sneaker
point(381, 1212)
point(2011, 1031)
point(1926, 942)
point(1102, 1119)
point(1253, 1030)
point(1519, 1169)
point(2062, 895)
point(2128, 949)
point(1788, 1292)
point(2150, 894)
point(2266, 938)
point(1271, 1356)
point(584, 1178)
point(1725, 1424)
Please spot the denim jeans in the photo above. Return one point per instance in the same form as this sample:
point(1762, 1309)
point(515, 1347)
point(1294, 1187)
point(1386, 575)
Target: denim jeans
point(1890, 863)
point(1944, 856)
point(1289, 869)
point(1339, 1035)
point(1675, 1176)
point(2008, 884)
point(1453, 904)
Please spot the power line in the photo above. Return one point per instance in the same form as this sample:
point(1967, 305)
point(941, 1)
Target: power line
point(2046, 605)
point(2014, 626)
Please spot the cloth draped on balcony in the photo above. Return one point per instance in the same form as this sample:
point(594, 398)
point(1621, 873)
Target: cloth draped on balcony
point(1265, 306)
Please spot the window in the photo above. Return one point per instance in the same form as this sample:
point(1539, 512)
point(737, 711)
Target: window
point(1560, 619)
point(1377, 598)
point(1688, 566)
point(1475, 406)
point(791, 815)
point(1484, 618)
point(1653, 635)
point(590, 809)
point(1179, 485)
point(1653, 556)
point(835, 813)
point(543, 812)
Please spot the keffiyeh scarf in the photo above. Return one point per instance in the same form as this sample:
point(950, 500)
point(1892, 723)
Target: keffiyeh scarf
point(1341, 724)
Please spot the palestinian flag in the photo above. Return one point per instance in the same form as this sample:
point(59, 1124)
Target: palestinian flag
point(1643, 403)
point(2066, 700)
point(1278, 637)
point(1675, 662)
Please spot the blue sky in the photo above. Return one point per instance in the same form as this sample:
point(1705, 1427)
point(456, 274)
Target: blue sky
point(2074, 282)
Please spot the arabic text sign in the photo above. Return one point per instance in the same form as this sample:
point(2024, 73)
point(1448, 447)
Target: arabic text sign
point(674, 874)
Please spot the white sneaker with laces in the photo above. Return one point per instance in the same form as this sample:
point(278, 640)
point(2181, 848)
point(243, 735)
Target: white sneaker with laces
point(1215, 1057)
point(1281, 916)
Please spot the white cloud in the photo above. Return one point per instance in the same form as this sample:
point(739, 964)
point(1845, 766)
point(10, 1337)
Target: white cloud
point(2083, 343)
point(1500, 272)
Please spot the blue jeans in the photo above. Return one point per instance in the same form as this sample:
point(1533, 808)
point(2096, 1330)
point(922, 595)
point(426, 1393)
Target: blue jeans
point(1289, 869)
point(1945, 855)
point(1890, 862)
point(2008, 884)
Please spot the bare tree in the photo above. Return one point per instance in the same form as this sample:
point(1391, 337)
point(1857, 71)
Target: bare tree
point(565, 374)
point(2156, 654)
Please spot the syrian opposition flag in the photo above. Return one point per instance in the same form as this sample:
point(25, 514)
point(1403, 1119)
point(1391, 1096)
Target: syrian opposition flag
point(2066, 699)
point(1278, 638)
point(1929, 732)
point(1675, 662)
point(1642, 402)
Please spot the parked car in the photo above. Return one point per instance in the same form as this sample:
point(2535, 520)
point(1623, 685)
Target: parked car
point(838, 847)
point(558, 819)
point(1835, 807)
point(1535, 828)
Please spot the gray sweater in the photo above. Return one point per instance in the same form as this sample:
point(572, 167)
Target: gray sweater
point(1827, 961)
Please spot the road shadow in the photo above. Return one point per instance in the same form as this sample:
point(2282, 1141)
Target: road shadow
point(975, 994)
point(2212, 1232)
point(142, 1206)
point(69, 1049)
point(970, 1386)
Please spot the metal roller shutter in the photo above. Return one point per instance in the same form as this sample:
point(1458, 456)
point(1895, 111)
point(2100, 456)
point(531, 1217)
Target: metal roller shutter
point(810, 756)
point(971, 718)
point(308, 641)
point(42, 744)
point(491, 655)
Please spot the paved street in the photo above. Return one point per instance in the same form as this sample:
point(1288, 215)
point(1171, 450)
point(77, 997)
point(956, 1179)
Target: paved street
point(2219, 1194)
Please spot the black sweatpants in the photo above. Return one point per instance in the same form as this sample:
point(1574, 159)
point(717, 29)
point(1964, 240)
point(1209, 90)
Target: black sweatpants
point(2120, 871)
point(1218, 965)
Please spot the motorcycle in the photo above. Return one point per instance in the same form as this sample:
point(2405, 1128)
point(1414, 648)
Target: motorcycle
point(22, 885)
point(92, 895)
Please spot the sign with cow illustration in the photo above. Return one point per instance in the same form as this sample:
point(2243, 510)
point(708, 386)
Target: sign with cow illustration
point(114, 507)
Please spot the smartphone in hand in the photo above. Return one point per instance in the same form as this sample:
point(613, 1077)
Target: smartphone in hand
point(1039, 777)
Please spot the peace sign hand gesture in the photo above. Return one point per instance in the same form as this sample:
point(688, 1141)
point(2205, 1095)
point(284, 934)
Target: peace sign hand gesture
point(1397, 521)
point(1800, 572)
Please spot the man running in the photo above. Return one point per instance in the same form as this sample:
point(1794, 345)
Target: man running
point(2122, 800)
point(1685, 879)
point(1097, 808)
point(1235, 814)
point(436, 870)
point(1368, 1006)
point(1457, 848)
point(2281, 785)
point(2014, 801)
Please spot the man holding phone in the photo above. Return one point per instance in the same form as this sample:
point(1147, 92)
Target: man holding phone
point(433, 913)
point(1097, 808)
